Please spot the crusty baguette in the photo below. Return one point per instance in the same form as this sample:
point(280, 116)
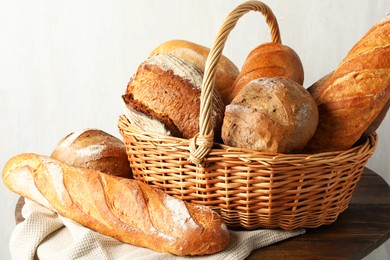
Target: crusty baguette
point(269, 60)
point(316, 86)
point(356, 93)
point(125, 209)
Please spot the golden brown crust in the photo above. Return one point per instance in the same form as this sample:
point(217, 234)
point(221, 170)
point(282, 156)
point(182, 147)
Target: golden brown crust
point(316, 86)
point(94, 149)
point(269, 60)
point(226, 71)
point(270, 115)
point(172, 96)
point(356, 94)
point(125, 209)
point(377, 122)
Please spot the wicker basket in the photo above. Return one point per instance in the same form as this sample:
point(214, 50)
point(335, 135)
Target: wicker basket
point(249, 189)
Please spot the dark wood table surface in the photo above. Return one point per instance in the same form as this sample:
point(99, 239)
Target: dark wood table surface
point(363, 227)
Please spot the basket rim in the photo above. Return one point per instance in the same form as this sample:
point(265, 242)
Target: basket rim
point(126, 128)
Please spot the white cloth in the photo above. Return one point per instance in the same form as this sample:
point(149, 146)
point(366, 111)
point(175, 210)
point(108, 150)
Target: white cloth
point(46, 235)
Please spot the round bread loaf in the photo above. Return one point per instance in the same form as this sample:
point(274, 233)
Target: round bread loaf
point(164, 97)
point(267, 61)
point(226, 71)
point(271, 115)
point(94, 149)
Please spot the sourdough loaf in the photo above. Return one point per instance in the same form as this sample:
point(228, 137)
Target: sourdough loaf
point(270, 115)
point(164, 97)
point(94, 149)
point(226, 71)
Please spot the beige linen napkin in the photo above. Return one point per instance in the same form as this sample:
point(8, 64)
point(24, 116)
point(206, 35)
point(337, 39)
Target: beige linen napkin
point(46, 235)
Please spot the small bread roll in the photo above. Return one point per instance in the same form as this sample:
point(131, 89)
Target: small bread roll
point(94, 149)
point(269, 60)
point(271, 115)
point(164, 97)
point(226, 71)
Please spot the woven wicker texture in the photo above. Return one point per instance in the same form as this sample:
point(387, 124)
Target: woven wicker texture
point(249, 189)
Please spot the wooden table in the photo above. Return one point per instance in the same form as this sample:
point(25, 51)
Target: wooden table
point(363, 227)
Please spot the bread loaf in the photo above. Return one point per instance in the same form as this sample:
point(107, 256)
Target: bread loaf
point(271, 115)
point(267, 61)
point(125, 209)
point(226, 71)
point(164, 97)
point(377, 121)
point(356, 94)
point(94, 149)
point(316, 86)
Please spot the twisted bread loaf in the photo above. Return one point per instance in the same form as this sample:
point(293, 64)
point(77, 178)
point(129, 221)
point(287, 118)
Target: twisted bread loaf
point(125, 209)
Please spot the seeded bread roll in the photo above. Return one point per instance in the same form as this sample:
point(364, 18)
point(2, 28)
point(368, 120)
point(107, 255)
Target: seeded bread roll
point(270, 115)
point(94, 149)
point(164, 97)
point(269, 60)
point(226, 71)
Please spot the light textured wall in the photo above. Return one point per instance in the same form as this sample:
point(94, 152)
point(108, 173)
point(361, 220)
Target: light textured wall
point(65, 64)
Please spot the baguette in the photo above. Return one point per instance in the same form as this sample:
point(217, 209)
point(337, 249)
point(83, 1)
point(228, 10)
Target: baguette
point(125, 209)
point(356, 94)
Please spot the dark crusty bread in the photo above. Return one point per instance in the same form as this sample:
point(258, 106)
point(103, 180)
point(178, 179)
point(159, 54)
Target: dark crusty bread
point(356, 94)
point(270, 115)
point(164, 97)
point(94, 149)
point(125, 209)
point(226, 71)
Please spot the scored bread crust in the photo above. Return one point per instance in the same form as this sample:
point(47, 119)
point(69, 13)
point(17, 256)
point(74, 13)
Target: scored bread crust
point(125, 209)
point(168, 89)
point(270, 115)
point(356, 94)
point(94, 149)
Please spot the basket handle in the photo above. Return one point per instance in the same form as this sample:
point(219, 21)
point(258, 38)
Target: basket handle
point(200, 145)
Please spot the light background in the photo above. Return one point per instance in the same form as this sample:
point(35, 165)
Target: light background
point(65, 64)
